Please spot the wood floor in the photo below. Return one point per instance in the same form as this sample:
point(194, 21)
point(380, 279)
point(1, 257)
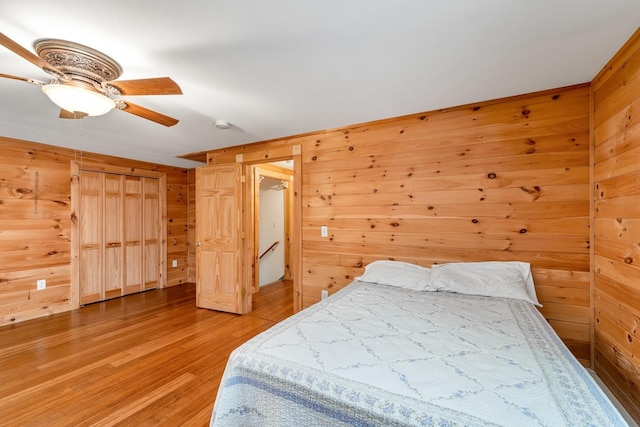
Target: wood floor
point(148, 359)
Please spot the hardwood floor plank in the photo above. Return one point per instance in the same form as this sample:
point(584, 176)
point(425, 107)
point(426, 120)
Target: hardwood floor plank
point(145, 359)
point(133, 407)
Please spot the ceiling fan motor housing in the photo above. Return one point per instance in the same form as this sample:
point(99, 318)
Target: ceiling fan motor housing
point(76, 63)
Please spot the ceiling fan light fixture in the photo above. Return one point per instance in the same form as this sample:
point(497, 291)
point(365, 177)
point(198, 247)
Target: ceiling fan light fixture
point(77, 99)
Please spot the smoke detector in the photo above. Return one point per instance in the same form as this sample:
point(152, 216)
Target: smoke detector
point(222, 124)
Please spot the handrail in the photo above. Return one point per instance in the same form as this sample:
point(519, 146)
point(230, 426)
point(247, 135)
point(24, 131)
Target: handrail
point(273, 246)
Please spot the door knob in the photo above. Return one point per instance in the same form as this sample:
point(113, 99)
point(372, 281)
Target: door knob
point(198, 244)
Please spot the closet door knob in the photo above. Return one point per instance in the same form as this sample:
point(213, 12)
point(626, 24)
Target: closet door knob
point(198, 244)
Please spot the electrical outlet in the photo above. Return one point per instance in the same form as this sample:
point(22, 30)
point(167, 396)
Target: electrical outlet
point(324, 231)
point(41, 284)
point(324, 293)
point(174, 263)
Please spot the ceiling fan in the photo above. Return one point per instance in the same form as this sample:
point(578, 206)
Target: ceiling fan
point(84, 80)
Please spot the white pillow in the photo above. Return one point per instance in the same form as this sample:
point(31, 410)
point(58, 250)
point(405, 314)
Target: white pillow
point(398, 274)
point(511, 279)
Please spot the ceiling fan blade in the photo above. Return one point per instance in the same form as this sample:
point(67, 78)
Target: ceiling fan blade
point(145, 113)
point(23, 79)
point(64, 114)
point(154, 86)
point(26, 54)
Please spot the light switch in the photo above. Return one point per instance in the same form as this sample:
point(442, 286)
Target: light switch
point(324, 231)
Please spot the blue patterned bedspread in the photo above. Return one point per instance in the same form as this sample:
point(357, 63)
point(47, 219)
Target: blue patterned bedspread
point(373, 355)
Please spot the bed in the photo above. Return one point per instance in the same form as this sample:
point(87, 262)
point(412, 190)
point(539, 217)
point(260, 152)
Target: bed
point(453, 345)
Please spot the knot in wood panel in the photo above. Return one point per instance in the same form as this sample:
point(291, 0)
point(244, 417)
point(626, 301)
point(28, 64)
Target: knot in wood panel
point(534, 191)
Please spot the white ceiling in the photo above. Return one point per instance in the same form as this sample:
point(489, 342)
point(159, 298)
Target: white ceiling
point(283, 67)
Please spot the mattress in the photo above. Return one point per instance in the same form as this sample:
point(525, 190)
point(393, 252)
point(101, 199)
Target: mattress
point(380, 355)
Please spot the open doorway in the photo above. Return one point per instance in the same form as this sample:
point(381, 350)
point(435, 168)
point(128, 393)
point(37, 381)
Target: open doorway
point(272, 231)
point(226, 249)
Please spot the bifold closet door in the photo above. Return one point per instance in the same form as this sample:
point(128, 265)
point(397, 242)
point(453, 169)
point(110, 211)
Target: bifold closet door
point(101, 262)
point(91, 187)
point(133, 234)
point(113, 233)
point(151, 229)
point(120, 235)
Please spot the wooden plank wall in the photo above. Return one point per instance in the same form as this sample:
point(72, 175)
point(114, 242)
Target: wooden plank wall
point(178, 227)
point(616, 262)
point(498, 180)
point(35, 238)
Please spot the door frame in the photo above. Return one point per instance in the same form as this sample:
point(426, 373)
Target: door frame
point(75, 169)
point(271, 171)
point(269, 156)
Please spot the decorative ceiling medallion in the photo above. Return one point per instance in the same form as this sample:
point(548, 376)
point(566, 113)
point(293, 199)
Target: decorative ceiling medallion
point(77, 60)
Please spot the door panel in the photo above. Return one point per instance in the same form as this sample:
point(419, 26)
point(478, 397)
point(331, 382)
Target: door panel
point(133, 234)
point(219, 240)
point(133, 275)
point(112, 236)
point(90, 237)
point(90, 279)
point(113, 275)
point(151, 233)
point(151, 265)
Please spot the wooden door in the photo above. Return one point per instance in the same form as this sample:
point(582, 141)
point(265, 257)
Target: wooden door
point(219, 240)
point(90, 258)
point(133, 234)
point(151, 232)
point(120, 235)
point(112, 242)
